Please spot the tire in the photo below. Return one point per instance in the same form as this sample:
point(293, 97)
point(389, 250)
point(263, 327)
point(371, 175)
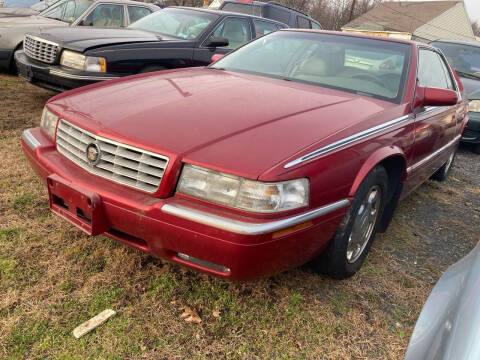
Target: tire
point(476, 149)
point(442, 173)
point(13, 65)
point(152, 68)
point(349, 247)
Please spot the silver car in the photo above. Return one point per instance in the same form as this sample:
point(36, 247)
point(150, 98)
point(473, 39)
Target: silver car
point(100, 13)
point(449, 325)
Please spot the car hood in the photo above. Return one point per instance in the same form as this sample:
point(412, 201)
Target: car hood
point(81, 38)
point(26, 21)
point(472, 87)
point(16, 12)
point(449, 325)
point(216, 118)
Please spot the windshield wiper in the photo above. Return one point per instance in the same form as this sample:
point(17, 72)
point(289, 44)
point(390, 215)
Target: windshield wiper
point(467, 75)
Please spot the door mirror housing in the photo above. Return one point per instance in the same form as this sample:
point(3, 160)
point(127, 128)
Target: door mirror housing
point(216, 57)
point(216, 42)
point(430, 96)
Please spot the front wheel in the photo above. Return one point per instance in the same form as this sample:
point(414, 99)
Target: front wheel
point(350, 245)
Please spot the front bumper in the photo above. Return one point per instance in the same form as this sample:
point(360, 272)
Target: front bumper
point(471, 134)
point(5, 59)
point(213, 241)
point(54, 77)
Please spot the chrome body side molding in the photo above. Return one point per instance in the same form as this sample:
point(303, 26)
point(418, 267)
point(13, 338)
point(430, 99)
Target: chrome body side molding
point(433, 155)
point(348, 140)
point(246, 228)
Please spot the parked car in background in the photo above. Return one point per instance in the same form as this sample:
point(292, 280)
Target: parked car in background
point(276, 154)
point(449, 325)
point(465, 58)
point(17, 3)
point(35, 9)
point(73, 13)
point(175, 37)
point(270, 10)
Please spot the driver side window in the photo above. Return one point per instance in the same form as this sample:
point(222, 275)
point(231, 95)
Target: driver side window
point(431, 72)
point(105, 15)
point(235, 30)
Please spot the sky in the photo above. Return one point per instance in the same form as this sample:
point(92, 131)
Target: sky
point(473, 8)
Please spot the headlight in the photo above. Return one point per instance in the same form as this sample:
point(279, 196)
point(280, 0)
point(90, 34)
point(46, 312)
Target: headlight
point(81, 62)
point(242, 193)
point(49, 122)
point(474, 106)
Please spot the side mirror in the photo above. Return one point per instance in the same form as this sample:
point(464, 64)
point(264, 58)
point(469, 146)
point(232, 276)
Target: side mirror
point(216, 57)
point(439, 97)
point(430, 96)
point(216, 42)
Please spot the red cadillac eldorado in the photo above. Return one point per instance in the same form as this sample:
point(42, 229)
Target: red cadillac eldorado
point(295, 147)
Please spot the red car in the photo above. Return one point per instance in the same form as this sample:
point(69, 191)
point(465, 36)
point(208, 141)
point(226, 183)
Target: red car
point(295, 147)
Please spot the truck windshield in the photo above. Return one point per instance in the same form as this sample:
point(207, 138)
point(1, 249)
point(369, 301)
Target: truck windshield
point(367, 67)
point(180, 23)
point(465, 59)
point(67, 10)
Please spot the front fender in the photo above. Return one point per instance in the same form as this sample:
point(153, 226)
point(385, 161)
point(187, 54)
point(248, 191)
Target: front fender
point(373, 160)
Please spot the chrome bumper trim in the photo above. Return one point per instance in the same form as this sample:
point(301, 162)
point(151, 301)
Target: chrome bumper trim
point(80, 77)
point(30, 140)
point(246, 228)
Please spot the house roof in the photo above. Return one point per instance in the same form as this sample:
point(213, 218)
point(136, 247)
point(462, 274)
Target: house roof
point(402, 16)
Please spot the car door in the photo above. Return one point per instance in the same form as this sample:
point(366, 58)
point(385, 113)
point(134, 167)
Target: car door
point(237, 30)
point(435, 126)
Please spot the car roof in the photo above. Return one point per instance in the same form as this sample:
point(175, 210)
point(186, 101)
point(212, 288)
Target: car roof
point(228, 13)
point(459, 42)
point(129, 2)
point(270, 3)
point(341, 33)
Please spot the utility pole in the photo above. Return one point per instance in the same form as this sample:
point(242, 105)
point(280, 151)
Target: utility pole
point(351, 10)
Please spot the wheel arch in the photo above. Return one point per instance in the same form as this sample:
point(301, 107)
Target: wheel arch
point(394, 161)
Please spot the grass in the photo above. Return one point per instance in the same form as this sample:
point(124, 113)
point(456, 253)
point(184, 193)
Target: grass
point(53, 277)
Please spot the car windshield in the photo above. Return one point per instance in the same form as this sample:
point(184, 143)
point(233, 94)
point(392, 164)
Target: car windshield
point(180, 23)
point(369, 67)
point(67, 10)
point(465, 59)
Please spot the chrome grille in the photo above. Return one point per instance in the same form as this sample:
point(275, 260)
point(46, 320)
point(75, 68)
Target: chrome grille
point(121, 163)
point(39, 49)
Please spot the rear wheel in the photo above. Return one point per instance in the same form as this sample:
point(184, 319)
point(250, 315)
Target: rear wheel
point(350, 245)
point(442, 173)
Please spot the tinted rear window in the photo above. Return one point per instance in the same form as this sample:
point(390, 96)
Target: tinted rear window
point(247, 9)
point(275, 13)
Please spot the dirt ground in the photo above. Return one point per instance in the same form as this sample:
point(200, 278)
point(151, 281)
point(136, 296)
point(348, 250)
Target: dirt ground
point(53, 277)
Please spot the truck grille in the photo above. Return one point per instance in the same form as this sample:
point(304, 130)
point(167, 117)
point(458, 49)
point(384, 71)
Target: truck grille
point(118, 162)
point(39, 49)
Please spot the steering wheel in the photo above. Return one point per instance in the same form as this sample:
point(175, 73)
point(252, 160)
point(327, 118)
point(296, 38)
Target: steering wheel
point(369, 77)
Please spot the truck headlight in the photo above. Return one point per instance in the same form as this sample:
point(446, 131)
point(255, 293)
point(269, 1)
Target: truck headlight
point(49, 122)
point(474, 106)
point(81, 62)
point(244, 194)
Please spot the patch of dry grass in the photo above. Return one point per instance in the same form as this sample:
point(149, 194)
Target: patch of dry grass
point(53, 277)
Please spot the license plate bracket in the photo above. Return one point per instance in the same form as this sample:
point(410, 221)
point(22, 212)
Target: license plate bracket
point(81, 207)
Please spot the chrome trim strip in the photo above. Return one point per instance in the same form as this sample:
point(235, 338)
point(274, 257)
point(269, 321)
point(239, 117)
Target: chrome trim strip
point(432, 155)
point(246, 228)
point(348, 140)
point(80, 77)
point(30, 140)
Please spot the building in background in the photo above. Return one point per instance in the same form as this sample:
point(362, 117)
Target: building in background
point(418, 20)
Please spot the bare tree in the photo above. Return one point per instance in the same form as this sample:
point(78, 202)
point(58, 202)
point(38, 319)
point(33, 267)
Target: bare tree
point(476, 28)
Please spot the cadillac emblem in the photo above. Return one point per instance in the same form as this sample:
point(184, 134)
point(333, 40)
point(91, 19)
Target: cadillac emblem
point(93, 154)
